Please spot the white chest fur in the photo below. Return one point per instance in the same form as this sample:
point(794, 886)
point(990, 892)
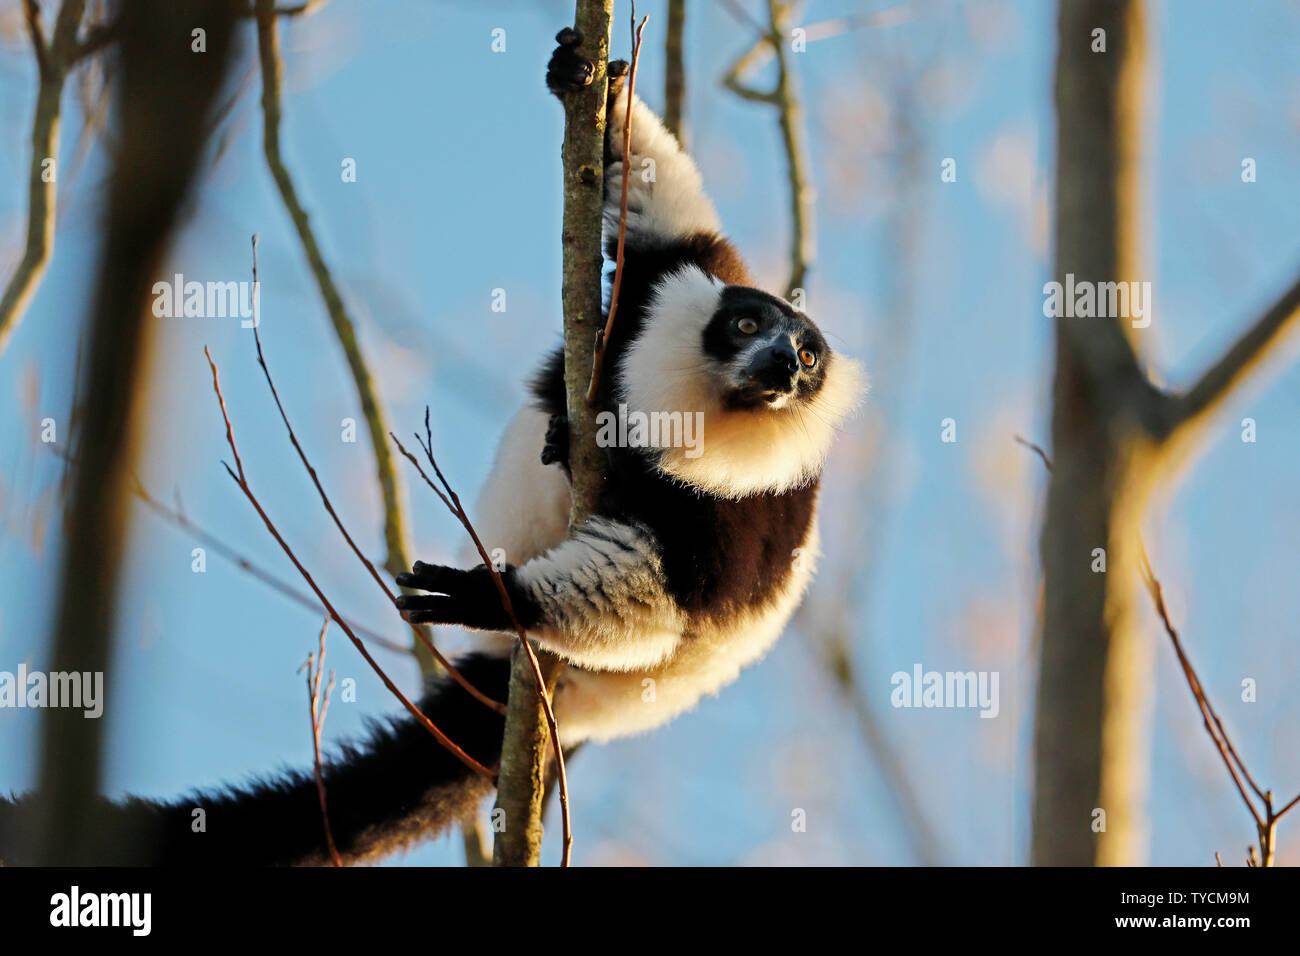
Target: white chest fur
point(604, 705)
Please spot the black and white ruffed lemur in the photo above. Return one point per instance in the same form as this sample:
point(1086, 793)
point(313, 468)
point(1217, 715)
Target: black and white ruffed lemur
point(688, 572)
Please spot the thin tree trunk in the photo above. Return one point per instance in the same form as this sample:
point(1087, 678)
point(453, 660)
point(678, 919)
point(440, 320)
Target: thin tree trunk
point(526, 746)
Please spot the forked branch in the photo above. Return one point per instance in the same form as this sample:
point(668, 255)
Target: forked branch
point(318, 705)
point(238, 476)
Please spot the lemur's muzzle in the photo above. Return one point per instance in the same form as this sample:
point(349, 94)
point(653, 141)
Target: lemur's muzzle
point(775, 368)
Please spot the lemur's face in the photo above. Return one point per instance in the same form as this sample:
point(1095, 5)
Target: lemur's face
point(771, 356)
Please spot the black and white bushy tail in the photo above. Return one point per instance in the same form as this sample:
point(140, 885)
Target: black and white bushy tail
point(385, 794)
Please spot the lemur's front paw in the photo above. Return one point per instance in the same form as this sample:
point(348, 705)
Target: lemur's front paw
point(568, 71)
point(438, 608)
point(468, 598)
point(556, 449)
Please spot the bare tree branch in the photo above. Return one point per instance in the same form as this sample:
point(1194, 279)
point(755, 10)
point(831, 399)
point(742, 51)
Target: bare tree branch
point(675, 71)
point(1265, 821)
point(1238, 363)
point(397, 560)
point(32, 16)
point(420, 635)
point(54, 58)
point(238, 476)
point(752, 59)
point(803, 247)
point(317, 709)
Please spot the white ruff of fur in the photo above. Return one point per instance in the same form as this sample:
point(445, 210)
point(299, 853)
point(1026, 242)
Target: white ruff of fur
point(745, 451)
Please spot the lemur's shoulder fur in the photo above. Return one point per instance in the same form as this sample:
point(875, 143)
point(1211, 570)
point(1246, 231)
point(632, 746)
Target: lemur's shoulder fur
point(688, 571)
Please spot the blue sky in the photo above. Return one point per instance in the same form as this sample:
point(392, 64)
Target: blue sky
point(931, 555)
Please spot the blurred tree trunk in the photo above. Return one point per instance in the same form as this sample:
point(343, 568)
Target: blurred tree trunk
point(675, 72)
point(164, 103)
point(1091, 736)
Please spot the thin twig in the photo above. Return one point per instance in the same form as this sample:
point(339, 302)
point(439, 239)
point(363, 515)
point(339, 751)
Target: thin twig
point(1229, 754)
point(1047, 462)
point(602, 336)
point(452, 501)
point(395, 536)
point(1265, 822)
point(318, 710)
point(418, 631)
point(241, 480)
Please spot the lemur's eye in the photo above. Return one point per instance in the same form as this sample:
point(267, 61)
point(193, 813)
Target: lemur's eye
point(748, 326)
point(808, 357)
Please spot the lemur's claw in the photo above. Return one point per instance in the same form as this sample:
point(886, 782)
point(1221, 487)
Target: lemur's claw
point(568, 71)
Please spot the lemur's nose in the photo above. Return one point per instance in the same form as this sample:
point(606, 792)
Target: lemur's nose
point(781, 356)
point(777, 366)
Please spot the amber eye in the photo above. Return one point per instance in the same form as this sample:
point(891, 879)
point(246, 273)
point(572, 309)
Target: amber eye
point(748, 326)
point(808, 357)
